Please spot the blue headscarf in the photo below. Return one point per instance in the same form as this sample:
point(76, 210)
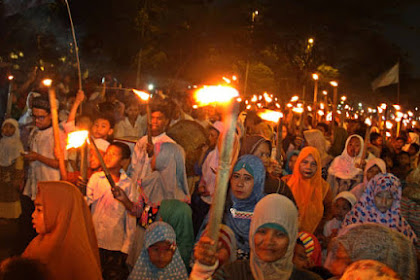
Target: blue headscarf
point(240, 226)
point(287, 170)
point(145, 270)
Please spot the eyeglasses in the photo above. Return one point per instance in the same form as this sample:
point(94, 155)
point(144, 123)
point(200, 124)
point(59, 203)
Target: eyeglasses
point(41, 118)
point(161, 249)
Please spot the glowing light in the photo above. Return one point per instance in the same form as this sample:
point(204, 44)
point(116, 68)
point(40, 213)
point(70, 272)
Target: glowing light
point(329, 117)
point(270, 115)
point(289, 105)
point(322, 106)
point(142, 94)
point(151, 87)
point(260, 97)
point(324, 92)
point(246, 102)
point(10, 77)
point(298, 110)
point(400, 115)
point(397, 107)
point(388, 134)
point(234, 78)
point(410, 113)
point(254, 98)
point(294, 98)
point(388, 125)
point(311, 40)
point(309, 108)
point(414, 123)
point(248, 107)
point(334, 83)
point(360, 104)
point(346, 107)
point(278, 105)
point(259, 105)
point(343, 98)
point(368, 121)
point(267, 98)
point(239, 99)
point(321, 113)
point(215, 94)
point(226, 80)
point(356, 116)
point(380, 110)
point(47, 82)
point(315, 76)
point(383, 106)
point(195, 106)
point(76, 139)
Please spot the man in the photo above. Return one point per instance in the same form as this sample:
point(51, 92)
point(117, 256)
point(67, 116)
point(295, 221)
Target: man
point(398, 144)
point(43, 164)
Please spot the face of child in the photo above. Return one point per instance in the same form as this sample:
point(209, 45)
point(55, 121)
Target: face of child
point(270, 244)
point(8, 130)
point(161, 253)
point(308, 167)
point(353, 148)
point(38, 221)
point(300, 259)
point(101, 129)
point(263, 152)
point(132, 111)
point(404, 160)
point(94, 162)
point(242, 184)
point(113, 157)
point(372, 172)
point(383, 201)
point(158, 123)
point(340, 208)
point(292, 162)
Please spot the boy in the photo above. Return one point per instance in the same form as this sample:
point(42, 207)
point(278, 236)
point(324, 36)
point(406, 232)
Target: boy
point(103, 127)
point(134, 125)
point(113, 225)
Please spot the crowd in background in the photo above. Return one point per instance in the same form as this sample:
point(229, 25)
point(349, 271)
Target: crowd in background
point(317, 205)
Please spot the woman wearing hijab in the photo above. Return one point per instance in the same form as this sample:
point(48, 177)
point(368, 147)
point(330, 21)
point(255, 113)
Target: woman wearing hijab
point(373, 167)
point(160, 257)
point(178, 214)
point(66, 241)
point(344, 172)
point(272, 238)
point(315, 138)
point(312, 193)
point(372, 242)
point(259, 146)
point(380, 203)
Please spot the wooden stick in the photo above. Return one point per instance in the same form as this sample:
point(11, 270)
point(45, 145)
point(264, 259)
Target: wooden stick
point(56, 130)
point(279, 140)
point(104, 168)
point(222, 177)
point(83, 162)
point(9, 99)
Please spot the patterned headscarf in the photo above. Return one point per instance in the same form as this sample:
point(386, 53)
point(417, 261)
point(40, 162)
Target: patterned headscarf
point(365, 211)
point(373, 241)
point(282, 212)
point(145, 270)
point(369, 269)
point(240, 225)
point(312, 247)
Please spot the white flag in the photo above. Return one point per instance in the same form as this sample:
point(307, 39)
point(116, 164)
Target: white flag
point(388, 78)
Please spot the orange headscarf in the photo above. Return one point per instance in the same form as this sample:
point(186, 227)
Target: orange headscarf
point(309, 193)
point(69, 249)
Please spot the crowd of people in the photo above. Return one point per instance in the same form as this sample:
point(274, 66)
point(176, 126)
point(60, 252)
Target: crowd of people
point(321, 204)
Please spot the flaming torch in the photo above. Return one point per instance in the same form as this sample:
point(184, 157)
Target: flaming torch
point(77, 139)
point(275, 117)
point(9, 97)
point(146, 97)
point(221, 95)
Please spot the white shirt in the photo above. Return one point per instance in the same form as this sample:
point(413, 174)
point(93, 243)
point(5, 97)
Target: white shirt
point(125, 129)
point(113, 225)
point(42, 142)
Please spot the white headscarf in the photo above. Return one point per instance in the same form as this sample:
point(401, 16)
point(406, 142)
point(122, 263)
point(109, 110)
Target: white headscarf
point(27, 118)
point(277, 209)
point(344, 166)
point(10, 147)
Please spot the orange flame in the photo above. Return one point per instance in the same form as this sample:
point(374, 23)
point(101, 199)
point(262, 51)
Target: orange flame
point(10, 77)
point(143, 95)
point(215, 94)
point(76, 139)
point(368, 121)
point(298, 110)
point(47, 82)
point(270, 115)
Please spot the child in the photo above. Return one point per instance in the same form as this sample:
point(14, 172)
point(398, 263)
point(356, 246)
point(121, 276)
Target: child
point(342, 204)
point(133, 125)
point(66, 242)
point(11, 169)
point(114, 227)
point(160, 258)
point(103, 127)
point(307, 252)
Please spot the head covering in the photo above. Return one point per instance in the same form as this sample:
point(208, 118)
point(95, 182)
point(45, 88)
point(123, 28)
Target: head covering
point(312, 247)
point(288, 157)
point(179, 215)
point(351, 198)
point(376, 242)
point(10, 146)
point(169, 180)
point(365, 210)
point(309, 193)
point(69, 247)
point(344, 166)
point(251, 143)
point(218, 125)
point(237, 223)
point(27, 117)
point(372, 162)
point(316, 139)
point(282, 212)
point(145, 270)
point(265, 129)
point(340, 136)
point(369, 269)
point(102, 144)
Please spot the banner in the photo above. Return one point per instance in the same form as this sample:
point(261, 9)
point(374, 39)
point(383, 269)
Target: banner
point(388, 78)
